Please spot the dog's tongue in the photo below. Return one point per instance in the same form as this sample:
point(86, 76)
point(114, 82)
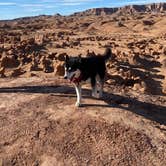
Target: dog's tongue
point(72, 79)
point(75, 80)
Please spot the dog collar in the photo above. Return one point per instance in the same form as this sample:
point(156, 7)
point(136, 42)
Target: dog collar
point(77, 80)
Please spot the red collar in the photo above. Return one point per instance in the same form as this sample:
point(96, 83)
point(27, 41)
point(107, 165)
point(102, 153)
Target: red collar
point(77, 80)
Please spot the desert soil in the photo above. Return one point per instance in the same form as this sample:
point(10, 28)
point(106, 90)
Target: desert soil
point(41, 126)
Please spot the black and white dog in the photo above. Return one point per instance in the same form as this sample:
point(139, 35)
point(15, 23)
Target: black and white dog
point(79, 70)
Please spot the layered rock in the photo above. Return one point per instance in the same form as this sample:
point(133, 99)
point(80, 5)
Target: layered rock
point(155, 7)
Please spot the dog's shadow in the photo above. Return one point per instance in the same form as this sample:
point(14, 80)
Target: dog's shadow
point(150, 111)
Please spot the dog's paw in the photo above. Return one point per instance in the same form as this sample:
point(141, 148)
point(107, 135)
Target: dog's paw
point(100, 95)
point(97, 95)
point(94, 94)
point(78, 104)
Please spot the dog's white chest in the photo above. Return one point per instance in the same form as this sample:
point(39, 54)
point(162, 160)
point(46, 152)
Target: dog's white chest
point(86, 82)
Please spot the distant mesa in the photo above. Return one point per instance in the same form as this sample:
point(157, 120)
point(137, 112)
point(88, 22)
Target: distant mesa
point(130, 9)
point(154, 7)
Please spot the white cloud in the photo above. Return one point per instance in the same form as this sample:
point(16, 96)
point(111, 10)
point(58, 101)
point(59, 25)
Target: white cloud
point(7, 3)
point(35, 10)
point(32, 5)
point(70, 4)
point(56, 3)
point(81, 1)
point(129, 2)
point(50, 6)
point(70, 1)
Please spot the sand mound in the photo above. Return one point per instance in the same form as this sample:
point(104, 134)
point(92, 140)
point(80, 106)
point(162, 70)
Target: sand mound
point(78, 140)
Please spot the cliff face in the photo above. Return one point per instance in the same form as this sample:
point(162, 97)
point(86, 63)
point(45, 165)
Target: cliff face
point(155, 7)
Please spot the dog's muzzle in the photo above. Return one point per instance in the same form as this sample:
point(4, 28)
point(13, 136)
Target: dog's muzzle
point(65, 77)
point(74, 77)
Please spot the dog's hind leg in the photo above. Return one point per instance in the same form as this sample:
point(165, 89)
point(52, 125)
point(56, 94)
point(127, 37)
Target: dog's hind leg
point(100, 88)
point(97, 91)
point(79, 95)
point(94, 87)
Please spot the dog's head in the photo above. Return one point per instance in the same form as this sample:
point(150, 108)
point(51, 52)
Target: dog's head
point(72, 68)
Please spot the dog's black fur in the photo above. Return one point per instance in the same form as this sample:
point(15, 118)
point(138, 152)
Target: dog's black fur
point(89, 67)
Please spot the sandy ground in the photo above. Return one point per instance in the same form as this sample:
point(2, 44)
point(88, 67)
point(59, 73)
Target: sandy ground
point(40, 125)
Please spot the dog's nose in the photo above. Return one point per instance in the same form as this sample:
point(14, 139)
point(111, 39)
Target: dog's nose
point(65, 77)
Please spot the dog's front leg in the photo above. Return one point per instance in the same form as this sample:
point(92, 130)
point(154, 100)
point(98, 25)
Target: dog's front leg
point(100, 86)
point(97, 89)
point(79, 97)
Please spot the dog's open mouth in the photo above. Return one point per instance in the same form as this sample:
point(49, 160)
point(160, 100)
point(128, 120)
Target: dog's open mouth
point(75, 79)
point(72, 78)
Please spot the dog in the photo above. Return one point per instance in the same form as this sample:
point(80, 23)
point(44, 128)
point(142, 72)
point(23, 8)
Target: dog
point(81, 69)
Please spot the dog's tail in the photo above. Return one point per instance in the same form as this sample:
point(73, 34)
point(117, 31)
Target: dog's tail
point(107, 54)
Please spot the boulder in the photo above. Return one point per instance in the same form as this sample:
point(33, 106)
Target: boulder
point(17, 72)
point(148, 22)
point(46, 65)
point(9, 62)
point(2, 72)
point(164, 86)
point(59, 69)
point(163, 63)
point(90, 54)
point(61, 56)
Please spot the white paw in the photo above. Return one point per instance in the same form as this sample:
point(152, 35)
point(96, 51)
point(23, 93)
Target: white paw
point(100, 95)
point(94, 94)
point(97, 95)
point(78, 104)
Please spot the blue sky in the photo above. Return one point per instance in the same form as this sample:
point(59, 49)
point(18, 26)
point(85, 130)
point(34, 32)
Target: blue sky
point(10, 9)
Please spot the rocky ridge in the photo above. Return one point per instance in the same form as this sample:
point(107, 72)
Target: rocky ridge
point(130, 9)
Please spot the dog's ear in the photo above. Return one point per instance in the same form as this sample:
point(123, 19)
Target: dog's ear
point(79, 58)
point(66, 57)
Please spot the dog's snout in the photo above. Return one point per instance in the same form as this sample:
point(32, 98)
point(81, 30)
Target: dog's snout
point(65, 77)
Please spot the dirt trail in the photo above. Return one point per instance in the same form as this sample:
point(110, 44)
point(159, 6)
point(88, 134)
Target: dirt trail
point(40, 125)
